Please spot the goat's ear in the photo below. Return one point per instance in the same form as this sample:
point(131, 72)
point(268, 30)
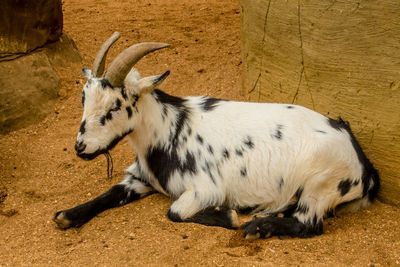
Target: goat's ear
point(88, 73)
point(150, 83)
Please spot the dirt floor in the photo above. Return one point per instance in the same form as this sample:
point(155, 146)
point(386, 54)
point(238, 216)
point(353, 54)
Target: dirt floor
point(40, 173)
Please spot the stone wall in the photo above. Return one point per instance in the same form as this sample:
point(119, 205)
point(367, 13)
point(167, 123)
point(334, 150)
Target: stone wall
point(338, 58)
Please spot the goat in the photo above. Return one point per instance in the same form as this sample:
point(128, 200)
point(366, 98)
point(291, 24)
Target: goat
point(217, 157)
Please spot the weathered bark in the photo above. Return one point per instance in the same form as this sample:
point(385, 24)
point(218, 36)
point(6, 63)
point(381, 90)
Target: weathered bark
point(338, 58)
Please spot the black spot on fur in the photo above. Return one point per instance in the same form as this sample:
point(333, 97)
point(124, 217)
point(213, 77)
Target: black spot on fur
point(117, 105)
point(290, 107)
point(239, 152)
point(210, 103)
point(281, 182)
point(225, 153)
point(199, 139)
point(278, 132)
point(320, 131)
point(210, 149)
point(135, 99)
point(105, 83)
point(102, 120)
point(83, 98)
point(109, 116)
point(167, 99)
point(82, 128)
point(243, 171)
point(356, 182)
point(164, 161)
point(208, 170)
point(344, 187)
point(189, 131)
point(123, 93)
point(336, 124)
point(248, 142)
point(129, 111)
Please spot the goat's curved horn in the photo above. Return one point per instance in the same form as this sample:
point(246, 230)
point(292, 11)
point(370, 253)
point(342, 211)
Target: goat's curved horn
point(100, 60)
point(124, 62)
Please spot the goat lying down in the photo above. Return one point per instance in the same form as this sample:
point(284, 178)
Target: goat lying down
point(216, 157)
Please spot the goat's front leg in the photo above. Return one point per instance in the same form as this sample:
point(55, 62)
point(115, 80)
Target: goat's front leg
point(132, 188)
point(190, 207)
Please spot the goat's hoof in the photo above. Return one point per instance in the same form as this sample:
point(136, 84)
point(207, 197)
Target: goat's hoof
point(234, 219)
point(257, 228)
point(252, 236)
point(61, 220)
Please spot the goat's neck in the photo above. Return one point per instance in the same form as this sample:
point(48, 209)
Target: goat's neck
point(160, 120)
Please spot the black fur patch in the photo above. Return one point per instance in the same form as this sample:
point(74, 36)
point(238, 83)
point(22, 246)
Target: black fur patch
point(290, 107)
point(320, 131)
point(344, 187)
point(210, 149)
point(163, 162)
point(83, 98)
point(123, 93)
point(248, 142)
point(208, 170)
point(225, 153)
point(105, 83)
point(102, 120)
point(109, 115)
point(199, 139)
point(129, 111)
point(118, 195)
point(178, 104)
point(239, 152)
point(173, 216)
point(370, 174)
point(82, 128)
point(210, 103)
point(243, 171)
point(281, 182)
point(278, 132)
point(209, 216)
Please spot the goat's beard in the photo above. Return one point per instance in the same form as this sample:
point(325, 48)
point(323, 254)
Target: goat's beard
point(110, 166)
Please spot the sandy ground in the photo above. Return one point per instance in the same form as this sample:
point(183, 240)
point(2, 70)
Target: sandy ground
point(40, 173)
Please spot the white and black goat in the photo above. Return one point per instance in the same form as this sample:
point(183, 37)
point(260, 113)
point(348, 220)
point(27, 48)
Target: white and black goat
point(214, 157)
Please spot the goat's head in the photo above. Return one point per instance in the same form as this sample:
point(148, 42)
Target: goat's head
point(109, 101)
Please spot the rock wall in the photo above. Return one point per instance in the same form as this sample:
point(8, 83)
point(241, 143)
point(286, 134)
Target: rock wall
point(338, 58)
point(31, 45)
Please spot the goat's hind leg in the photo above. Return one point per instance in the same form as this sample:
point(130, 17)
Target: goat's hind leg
point(127, 191)
point(188, 208)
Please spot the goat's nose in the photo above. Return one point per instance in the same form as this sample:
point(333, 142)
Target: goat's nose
point(79, 147)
